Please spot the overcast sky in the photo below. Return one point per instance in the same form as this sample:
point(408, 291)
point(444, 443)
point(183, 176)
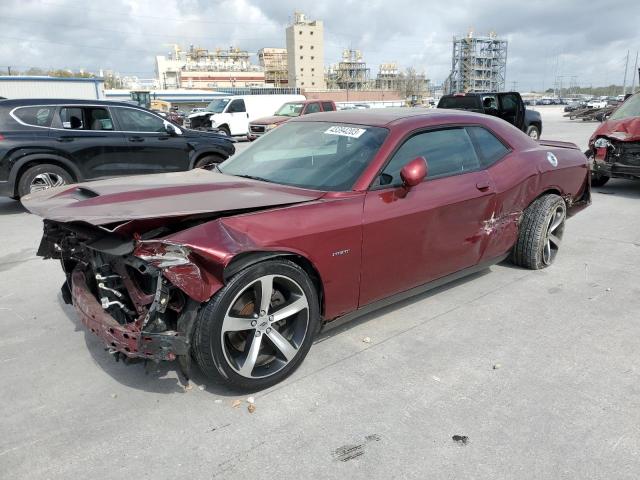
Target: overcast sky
point(588, 40)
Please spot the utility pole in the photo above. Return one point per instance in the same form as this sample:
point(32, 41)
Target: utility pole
point(624, 83)
point(634, 73)
point(9, 70)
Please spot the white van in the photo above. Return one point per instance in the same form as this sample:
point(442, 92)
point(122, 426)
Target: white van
point(232, 114)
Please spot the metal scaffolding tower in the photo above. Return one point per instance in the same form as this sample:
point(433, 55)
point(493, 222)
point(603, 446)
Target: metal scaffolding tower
point(478, 64)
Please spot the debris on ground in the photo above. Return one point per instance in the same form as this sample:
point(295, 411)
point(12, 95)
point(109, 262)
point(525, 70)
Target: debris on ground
point(251, 400)
point(202, 388)
point(366, 340)
point(496, 366)
point(460, 439)
point(251, 407)
point(437, 379)
point(114, 395)
point(188, 387)
point(217, 400)
point(236, 404)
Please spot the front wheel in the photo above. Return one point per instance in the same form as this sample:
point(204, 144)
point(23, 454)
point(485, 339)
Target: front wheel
point(208, 161)
point(540, 233)
point(598, 180)
point(259, 327)
point(533, 132)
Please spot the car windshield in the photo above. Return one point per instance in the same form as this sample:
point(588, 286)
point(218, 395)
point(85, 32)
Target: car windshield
point(290, 109)
point(630, 108)
point(315, 155)
point(217, 106)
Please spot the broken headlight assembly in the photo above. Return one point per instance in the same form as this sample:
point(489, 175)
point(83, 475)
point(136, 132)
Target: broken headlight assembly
point(602, 143)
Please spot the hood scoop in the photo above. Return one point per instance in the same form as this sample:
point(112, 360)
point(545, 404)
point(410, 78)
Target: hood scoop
point(160, 196)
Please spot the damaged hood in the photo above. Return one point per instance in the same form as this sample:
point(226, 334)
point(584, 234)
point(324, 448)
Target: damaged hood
point(625, 130)
point(162, 195)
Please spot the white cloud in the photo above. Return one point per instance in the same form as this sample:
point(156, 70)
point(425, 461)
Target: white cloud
point(571, 38)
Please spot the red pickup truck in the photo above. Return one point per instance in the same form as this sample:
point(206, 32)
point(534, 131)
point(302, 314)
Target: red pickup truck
point(285, 113)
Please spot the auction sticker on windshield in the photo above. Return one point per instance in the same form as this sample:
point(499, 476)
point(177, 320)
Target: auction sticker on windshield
point(352, 132)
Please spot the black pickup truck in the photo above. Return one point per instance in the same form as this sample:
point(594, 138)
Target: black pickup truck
point(506, 105)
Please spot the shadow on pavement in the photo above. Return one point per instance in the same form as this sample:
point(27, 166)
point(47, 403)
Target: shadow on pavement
point(10, 207)
point(620, 187)
point(161, 377)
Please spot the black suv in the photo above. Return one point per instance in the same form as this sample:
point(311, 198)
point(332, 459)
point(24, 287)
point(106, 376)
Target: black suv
point(47, 143)
point(506, 105)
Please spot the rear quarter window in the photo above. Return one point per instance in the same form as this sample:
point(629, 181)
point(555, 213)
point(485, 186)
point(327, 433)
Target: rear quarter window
point(328, 106)
point(489, 148)
point(36, 116)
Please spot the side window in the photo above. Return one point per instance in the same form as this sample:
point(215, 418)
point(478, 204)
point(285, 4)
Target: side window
point(509, 104)
point(236, 106)
point(313, 108)
point(327, 106)
point(448, 152)
point(98, 119)
point(37, 116)
point(71, 118)
point(132, 120)
point(489, 148)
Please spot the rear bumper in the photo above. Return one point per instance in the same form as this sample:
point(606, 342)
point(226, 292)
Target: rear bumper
point(126, 339)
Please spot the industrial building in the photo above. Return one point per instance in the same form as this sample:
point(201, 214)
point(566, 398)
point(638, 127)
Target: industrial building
point(274, 62)
point(201, 68)
point(305, 51)
point(478, 64)
point(389, 77)
point(351, 73)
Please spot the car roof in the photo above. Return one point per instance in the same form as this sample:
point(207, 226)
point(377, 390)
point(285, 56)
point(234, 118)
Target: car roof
point(383, 117)
point(25, 102)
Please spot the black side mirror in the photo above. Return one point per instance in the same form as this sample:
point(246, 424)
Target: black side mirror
point(170, 129)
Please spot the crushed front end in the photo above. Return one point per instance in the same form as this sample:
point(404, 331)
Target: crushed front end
point(616, 158)
point(121, 294)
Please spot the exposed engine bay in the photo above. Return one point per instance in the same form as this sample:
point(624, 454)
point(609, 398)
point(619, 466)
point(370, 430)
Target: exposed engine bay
point(119, 296)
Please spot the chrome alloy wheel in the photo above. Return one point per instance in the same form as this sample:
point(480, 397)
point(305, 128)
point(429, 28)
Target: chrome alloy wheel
point(265, 326)
point(534, 134)
point(44, 181)
point(553, 236)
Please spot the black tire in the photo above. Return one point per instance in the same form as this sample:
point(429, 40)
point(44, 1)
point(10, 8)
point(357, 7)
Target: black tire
point(208, 161)
point(217, 352)
point(533, 132)
point(598, 180)
point(224, 129)
point(37, 176)
point(539, 237)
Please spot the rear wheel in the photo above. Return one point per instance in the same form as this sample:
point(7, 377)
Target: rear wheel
point(533, 132)
point(42, 177)
point(540, 233)
point(259, 327)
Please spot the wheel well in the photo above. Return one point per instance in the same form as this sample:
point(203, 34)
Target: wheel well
point(244, 260)
point(41, 161)
point(209, 154)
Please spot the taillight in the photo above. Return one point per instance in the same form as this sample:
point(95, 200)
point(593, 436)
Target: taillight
point(1, 137)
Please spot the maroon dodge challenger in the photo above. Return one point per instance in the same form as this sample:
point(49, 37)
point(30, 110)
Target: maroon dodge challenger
point(329, 216)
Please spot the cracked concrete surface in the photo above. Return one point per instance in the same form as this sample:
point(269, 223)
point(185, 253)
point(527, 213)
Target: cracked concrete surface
point(562, 404)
